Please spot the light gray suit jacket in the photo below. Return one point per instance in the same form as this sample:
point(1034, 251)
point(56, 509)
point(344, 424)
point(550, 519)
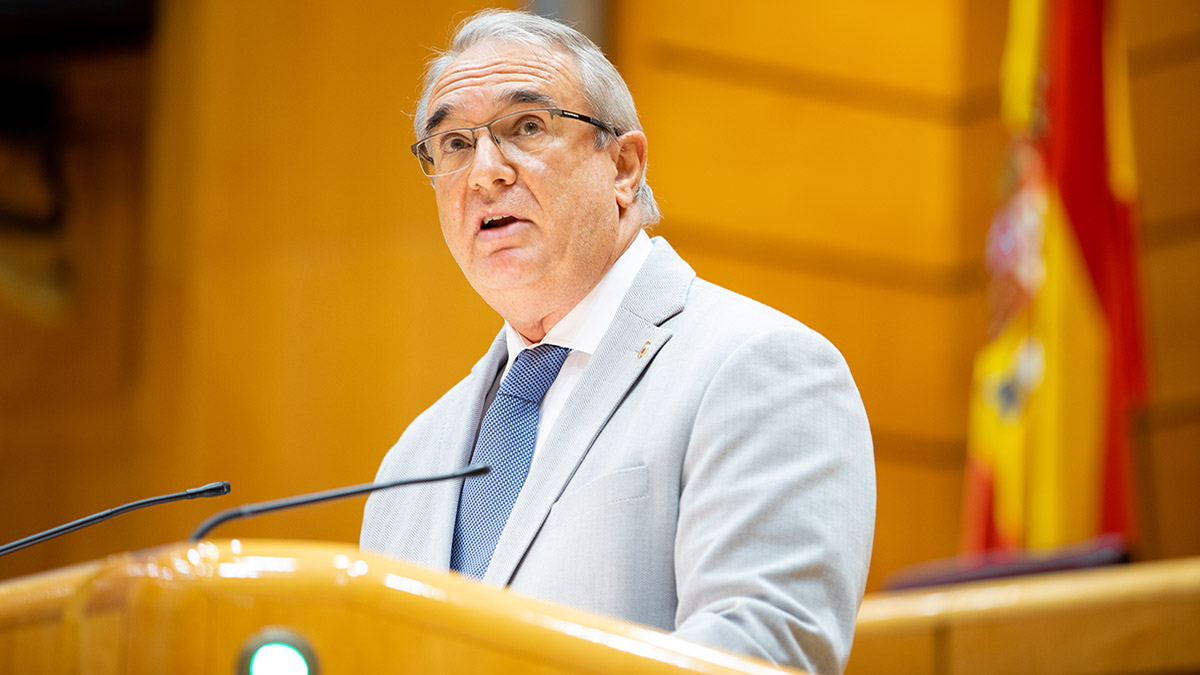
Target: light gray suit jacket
point(711, 474)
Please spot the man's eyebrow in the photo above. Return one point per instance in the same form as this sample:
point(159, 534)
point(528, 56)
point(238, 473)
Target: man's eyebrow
point(529, 96)
point(443, 111)
point(513, 97)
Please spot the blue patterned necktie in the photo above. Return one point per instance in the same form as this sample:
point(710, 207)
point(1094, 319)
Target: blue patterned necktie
point(506, 441)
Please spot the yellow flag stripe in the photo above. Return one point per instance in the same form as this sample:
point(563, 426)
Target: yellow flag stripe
point(1067, 413)
point(1022, 55)
point(1118, 128)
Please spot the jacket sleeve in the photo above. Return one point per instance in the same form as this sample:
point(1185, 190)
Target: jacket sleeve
point(777, 507)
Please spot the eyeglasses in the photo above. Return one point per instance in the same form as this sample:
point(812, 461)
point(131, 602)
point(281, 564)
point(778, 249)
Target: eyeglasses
point(515, 134)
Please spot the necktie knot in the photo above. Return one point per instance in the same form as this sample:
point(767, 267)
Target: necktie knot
point(532, 373)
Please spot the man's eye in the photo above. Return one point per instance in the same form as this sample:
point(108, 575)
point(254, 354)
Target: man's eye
point(451, 143)
point(530, 126)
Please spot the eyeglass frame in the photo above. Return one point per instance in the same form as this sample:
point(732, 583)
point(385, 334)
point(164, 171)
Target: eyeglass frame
point(604, 126)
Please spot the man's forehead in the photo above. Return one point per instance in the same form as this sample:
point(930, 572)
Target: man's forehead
point(492, 76)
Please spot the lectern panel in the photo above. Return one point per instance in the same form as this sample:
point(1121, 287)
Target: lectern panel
point(197, 608)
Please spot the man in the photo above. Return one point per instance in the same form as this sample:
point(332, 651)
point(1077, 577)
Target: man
point(663, 450)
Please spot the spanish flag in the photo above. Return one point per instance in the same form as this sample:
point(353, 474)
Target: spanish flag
point(1056, 385)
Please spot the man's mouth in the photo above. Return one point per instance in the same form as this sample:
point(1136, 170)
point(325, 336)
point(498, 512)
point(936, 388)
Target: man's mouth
point(493, 222)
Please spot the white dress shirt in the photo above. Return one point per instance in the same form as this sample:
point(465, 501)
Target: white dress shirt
point(580, 331)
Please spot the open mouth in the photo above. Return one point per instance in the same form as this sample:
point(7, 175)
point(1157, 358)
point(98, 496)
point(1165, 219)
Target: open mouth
point(493, 222)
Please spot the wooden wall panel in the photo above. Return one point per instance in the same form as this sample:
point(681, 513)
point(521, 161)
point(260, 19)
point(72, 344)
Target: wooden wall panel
point(1171, 523)
point(781, 166)
point(69, 370)
point(1173, 313)
point(1161, 26)
point(827, 39)
point(78, 348)
point(1166, 105)
point(917, 498)
point(1164, 63)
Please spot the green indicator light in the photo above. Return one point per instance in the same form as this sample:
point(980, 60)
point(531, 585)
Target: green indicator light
point(278, 658)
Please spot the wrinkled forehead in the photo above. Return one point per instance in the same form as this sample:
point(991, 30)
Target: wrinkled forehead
point(491, 78)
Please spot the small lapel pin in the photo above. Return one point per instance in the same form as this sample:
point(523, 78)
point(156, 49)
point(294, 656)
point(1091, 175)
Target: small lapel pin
point(644, 348)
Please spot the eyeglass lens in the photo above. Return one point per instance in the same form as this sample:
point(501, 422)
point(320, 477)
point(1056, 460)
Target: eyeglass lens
point(521, 132)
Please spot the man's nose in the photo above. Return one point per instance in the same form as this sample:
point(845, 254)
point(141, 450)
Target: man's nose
point(489, 166)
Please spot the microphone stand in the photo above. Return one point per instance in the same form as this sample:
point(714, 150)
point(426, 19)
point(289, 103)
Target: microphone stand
point(210, 490)
point(328, 495)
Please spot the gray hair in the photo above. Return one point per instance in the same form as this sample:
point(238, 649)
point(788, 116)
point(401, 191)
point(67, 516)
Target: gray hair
point(603, 88)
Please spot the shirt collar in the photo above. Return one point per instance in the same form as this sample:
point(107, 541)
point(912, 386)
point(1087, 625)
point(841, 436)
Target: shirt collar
point(583, 327)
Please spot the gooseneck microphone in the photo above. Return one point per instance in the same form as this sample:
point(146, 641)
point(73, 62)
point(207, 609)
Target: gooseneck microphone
point(210, 490)
point(249, 510)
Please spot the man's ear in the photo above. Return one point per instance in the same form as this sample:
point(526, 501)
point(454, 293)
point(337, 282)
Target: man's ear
point(631, 166)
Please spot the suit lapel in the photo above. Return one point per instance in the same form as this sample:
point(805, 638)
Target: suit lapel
point(458, 441)
point(628, 348)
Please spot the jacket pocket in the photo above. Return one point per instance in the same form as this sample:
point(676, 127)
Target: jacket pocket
point(619, 486)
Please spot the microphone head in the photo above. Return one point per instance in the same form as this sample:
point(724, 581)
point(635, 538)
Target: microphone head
point(211, 490)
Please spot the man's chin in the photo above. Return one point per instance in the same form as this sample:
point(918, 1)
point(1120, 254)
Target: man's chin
point(508, 277)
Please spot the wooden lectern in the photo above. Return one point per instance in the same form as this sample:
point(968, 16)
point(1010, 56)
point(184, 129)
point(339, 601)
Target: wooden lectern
point(204, 608)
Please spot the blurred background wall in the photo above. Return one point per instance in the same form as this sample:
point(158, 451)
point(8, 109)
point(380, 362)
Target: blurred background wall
point(248, 282)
